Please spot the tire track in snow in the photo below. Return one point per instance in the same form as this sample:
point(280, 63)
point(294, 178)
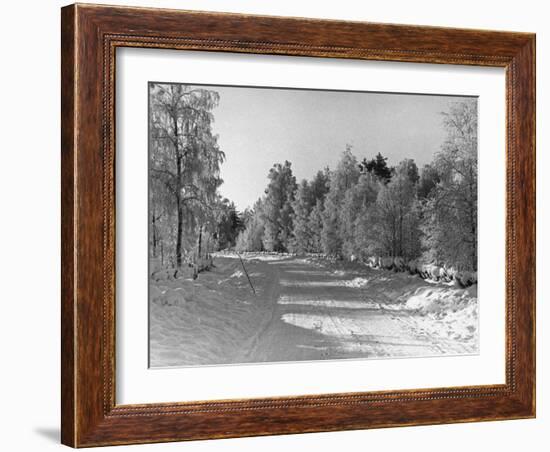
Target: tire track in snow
point(272, 295)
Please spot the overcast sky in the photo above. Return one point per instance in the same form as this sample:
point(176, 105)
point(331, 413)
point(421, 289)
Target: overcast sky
point(260, 126)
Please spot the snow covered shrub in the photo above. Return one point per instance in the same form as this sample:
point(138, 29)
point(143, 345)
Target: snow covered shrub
point(466, 278)
point(154, 293)
point(372, 262)
point(174, 297)
point(432, 271)
point(412, 266)
point(398, 264)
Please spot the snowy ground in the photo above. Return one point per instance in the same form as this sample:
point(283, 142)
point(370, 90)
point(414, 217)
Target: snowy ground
point(306, 309)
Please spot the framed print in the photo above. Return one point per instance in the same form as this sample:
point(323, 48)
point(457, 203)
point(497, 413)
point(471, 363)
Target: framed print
point(281, 225)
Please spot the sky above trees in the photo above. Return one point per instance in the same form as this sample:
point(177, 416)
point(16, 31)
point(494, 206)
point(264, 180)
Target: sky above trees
point(260, 126)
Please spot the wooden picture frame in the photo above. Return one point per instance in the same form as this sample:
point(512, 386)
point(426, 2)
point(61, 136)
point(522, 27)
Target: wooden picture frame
point(90, 35)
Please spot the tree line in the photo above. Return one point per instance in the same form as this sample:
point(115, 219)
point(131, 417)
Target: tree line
point(362, 208)
point(366, 208)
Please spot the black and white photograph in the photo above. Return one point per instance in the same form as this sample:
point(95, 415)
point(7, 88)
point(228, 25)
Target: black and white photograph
point(275, 226)
point(294, 224)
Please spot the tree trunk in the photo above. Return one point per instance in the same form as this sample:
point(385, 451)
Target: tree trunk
point(179, 240)
point(200, 243)
point(473, 232)
point(154, 227)
point(473, 218)
point(400, 247)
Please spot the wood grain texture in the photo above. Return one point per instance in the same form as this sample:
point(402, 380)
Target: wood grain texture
point(90, 36)
point(68, 147)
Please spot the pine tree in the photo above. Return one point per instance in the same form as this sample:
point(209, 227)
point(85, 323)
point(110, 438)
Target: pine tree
point(377, 166)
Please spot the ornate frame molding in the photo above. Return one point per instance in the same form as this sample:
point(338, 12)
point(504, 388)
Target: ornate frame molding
point(90, 37)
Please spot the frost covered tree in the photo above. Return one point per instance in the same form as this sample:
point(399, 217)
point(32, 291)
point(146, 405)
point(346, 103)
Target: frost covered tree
point(358, 202)
point(319, 186)
point(408, 167)
point(162, 236)
point(315, 226)
point(277, 210)
point(397, 214)
point(451, 214)
point(184, 157)
point(307, 232)
point(229, 224)
point(342, 179)
point(429, 178)
point(251, 237)
point(302, 205)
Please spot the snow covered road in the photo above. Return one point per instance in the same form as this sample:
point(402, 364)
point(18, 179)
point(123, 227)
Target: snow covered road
point(322, 314)
point(310, 310)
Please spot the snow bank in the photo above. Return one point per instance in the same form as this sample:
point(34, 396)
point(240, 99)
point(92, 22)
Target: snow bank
point(429, 271)
point(438, 299)
point(265, 256)
point(446, 313)
point(208, 320)
point(169, 296)
point(437, 308)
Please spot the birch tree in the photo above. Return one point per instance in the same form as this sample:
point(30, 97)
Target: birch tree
point(451, 216)
point(184, 155)
point(397, 214)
